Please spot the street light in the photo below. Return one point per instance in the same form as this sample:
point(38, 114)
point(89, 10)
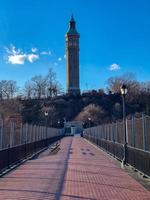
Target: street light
point(89, 119)
point(46, 116)
point(124, 91)
point(58, 123)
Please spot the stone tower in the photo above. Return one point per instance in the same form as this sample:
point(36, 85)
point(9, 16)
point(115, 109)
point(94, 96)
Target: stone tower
point(72, 58)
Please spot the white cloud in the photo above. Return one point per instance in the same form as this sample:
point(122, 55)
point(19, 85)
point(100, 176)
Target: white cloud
point(59, 59)
point(34, 50)
point(65, 56)
point(16, 56)
point(12, 50)
point(46, 53)
point(114, 67)
point(32, 57)
point(17, 59)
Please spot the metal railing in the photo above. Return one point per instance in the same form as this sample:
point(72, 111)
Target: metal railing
point(18, 141)
point(13, 134)
point(110, 137)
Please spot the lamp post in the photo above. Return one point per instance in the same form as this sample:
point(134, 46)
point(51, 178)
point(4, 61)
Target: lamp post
point(89, 119)
point(124, 91)
point(46, 116)
point(58, 124)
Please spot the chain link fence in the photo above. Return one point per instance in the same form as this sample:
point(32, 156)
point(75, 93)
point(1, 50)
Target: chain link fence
point(110, 137)
point(138, 132)
point(13, 134)
point(20, 141)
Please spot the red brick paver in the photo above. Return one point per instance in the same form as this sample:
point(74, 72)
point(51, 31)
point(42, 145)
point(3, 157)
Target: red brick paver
point(77, 171)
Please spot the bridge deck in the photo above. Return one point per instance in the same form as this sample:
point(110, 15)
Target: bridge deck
point(77, 171)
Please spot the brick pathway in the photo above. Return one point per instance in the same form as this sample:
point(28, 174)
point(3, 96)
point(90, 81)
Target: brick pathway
point(77, 171)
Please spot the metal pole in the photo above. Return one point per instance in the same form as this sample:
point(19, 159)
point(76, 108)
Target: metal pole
point(1, 132)
point(46, 130)
point(11, 135)
point(125, 132)
point(113, 138)
point(26, 136)
point(90, 130)
point(144, 132)
point(8, 156)
point(21, 131)
point(133, 132)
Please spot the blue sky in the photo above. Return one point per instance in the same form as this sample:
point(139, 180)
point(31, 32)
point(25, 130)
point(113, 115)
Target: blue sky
point(114, 39)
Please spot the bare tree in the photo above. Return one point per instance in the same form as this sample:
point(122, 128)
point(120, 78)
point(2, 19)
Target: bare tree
point(39, 85)
point(8, 89)
point(42, 86)
point(57, 89)
point(28, 89)
point(51, 79)
point(12, 88)
point(53, 86)
point(114, 83)
point(145, 87)
point(96, 113)
point(5, 92)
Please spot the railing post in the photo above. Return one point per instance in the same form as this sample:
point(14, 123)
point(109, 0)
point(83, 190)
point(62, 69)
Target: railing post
point(8, 156)
point(14, 141)
point(25, 150)
point(144, 133)
point(108, 131)
point(113, 130)
point(21, 133)
point(33, 133)
point(12, 134)
point(94, 135)
point(37, 130)
point(133, 132)
point(36, 134)
point(101, 132)
point(127, 131)
point(26, 136)
point(98, 133)
point(116, 131)
point(35, 138)
point(1, 137)
point(30, 133)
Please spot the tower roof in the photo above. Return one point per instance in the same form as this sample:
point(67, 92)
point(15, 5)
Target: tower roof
point(72, 27)
point(72, 18)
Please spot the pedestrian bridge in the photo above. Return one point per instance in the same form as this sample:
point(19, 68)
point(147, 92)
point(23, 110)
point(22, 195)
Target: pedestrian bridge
point(77, 170)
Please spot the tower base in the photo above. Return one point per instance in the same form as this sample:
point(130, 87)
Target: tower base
point(73, 92)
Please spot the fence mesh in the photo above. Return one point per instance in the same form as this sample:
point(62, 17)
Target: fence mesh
point(12, 134)
point(137, 130)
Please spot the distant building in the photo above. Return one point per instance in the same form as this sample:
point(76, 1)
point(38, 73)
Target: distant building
point(73, 127)
point(72, 59)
